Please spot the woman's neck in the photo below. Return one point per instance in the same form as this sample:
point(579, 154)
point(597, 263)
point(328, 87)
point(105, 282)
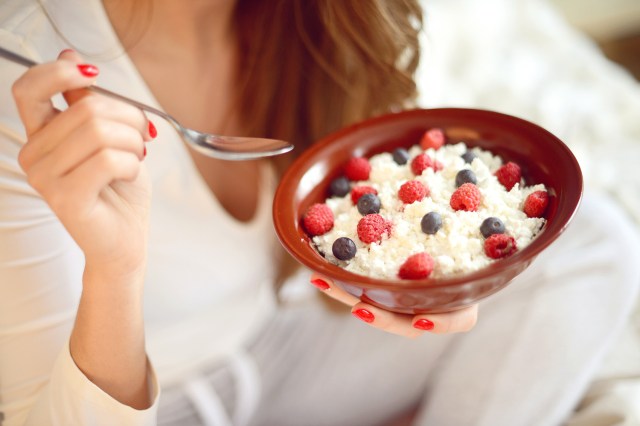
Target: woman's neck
point(172, 28)
point(191, 41)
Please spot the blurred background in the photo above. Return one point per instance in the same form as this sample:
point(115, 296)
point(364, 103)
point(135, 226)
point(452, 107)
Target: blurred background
point(613, 24)
point(573, 67)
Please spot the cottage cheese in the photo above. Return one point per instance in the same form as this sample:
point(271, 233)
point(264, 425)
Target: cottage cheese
point(458, 247)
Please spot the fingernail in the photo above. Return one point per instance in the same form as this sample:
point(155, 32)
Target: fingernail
point(88, 70)
point(364, 315)
point(424, 324)
point(321, 284)
point(144, 151)
point(153, 132)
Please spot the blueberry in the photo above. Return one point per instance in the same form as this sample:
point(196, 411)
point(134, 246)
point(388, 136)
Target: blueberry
point(400, 156)
point(368, 204)
point(468, 157)
point(431, 222)
point(465, 176)
point(490, 226)
point(339, 187)
point(344, 248)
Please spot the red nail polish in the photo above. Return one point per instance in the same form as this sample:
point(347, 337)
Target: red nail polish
point(424, 324)
point(321, 284)
point(153, 132)
point(88, 70)
point(144, 151)
point(364, 315)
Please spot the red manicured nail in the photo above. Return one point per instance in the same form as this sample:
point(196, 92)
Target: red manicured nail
point(144, 151)
point(321, 284)
point(153, 132)
point(88, 70)
point(424, 324)
point(364, 315)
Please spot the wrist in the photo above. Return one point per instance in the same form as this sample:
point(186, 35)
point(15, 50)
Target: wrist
point(121, 271)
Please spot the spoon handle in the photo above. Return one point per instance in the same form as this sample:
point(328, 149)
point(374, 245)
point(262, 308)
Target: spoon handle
point(145, 107)
point(19, 59)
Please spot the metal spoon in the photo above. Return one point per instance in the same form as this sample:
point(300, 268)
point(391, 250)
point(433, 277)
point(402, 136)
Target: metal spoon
point(217, 146)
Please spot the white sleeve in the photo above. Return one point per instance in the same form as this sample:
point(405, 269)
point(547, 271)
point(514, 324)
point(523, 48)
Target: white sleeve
point(40, 284)
point(70, 398)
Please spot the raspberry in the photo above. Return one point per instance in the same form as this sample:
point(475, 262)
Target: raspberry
point(318, 219)
point(412, 191)
point(508, 175)
point(359, 191)
point(417, 266)
point(499, 245)
point(357, 168)
point(466, 198)
point(432, 138)
point(372, 227)
point(536, 203)
point(421, 162)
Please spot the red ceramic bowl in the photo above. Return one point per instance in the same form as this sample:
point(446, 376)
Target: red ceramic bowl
point(542, 157)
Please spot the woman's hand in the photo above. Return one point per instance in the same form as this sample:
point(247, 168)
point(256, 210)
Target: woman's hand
point(404, 325)
point(85, 161)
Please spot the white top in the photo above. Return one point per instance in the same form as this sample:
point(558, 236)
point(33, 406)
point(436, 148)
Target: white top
point(208, 285)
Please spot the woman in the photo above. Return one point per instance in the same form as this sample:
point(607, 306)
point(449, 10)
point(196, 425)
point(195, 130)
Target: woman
point(199, 252)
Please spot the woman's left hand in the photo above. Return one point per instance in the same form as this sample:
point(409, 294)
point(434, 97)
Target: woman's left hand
point(405, 325)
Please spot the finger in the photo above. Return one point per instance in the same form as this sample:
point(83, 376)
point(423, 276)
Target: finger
point(77, 115)
point(80, 189)
point(385, 320)
point(459, 321)
point(139, 119)
point(84, 143)
point(35, 88)
point(330, 289)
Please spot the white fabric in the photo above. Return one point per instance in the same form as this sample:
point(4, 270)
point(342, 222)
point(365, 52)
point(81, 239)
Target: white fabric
point(208, 406)
point(513, 56)
point(57, 402)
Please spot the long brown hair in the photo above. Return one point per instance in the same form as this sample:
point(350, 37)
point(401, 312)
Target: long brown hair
point(309, 67)
point(312, 66)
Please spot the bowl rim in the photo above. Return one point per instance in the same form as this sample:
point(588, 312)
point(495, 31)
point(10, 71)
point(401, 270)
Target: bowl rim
point(288, 234)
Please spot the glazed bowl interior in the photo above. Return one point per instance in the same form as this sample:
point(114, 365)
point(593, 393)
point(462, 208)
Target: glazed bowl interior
point(542, 157)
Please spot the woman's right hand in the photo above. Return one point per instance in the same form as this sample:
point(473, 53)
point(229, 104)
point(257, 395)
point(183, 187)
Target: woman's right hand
point(86, 162)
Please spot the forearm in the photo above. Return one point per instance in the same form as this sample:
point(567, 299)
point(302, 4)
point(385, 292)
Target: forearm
point(107, 341)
